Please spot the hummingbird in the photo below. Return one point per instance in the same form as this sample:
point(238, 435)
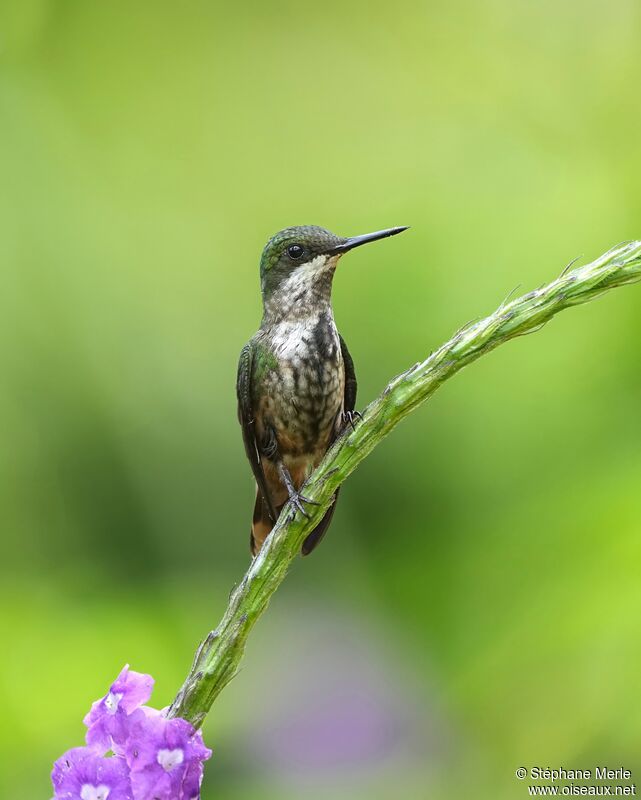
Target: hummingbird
point(296, 383)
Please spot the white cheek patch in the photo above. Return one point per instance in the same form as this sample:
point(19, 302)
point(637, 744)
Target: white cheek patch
point(302, 277)
point(303, 292)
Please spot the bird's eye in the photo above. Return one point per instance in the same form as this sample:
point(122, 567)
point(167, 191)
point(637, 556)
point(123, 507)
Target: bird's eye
point(295, 251)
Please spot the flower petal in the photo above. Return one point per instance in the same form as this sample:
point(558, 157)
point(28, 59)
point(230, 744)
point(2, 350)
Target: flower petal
point(134, 687)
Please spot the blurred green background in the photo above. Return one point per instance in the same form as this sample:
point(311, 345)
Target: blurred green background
point(476, 605)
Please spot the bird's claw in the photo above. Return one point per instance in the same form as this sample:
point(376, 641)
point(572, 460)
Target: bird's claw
point(350, 417)
point(296, 504)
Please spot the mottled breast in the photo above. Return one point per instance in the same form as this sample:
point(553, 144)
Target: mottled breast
point(301, 384)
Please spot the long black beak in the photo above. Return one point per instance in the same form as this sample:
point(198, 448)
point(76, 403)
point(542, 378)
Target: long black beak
point(357, 241)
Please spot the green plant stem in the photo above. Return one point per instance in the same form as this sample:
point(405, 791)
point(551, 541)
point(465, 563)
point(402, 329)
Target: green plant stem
point(219, 655)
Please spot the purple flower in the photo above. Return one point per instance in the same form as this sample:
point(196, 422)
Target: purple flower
point(108, 719)
point(81, 774)
point(165, 757)
point(155, 758)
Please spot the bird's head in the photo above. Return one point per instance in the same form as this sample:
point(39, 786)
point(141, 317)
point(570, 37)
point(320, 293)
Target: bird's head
point(295, 259)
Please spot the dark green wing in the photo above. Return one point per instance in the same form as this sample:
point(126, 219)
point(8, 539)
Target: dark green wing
point(246, 419)
point(350, 377)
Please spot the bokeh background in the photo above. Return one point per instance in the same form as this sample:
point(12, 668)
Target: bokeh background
point(476, 606)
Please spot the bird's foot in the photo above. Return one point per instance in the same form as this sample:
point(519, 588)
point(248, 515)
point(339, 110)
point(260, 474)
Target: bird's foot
point(350, 417)
point(296, 501)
